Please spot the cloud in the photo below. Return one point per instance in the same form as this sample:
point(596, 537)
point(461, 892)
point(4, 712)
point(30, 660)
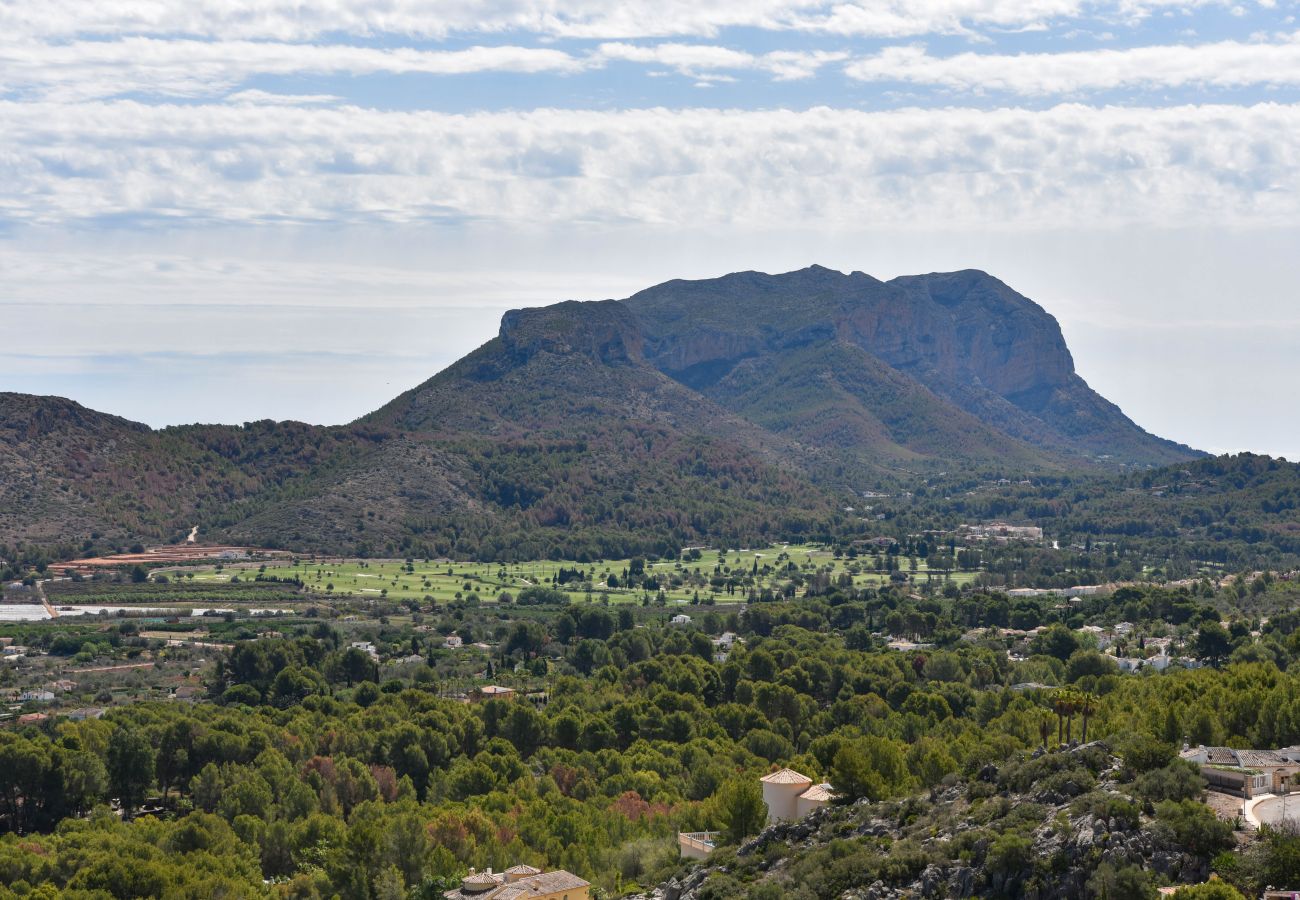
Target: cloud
point(83, 70)
point(1225, 64)
point(123, 164)
point(695, 60)
point(270, 99)
point(86, 70)
point(291, 20)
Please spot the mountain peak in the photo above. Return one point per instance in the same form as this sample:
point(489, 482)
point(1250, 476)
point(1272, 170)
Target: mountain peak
point(604, 330)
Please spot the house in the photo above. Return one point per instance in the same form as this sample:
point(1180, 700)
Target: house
point(1247, 773)
point(492, 692)
point(36, 696)
point(723, 645)
point(62, 686)
point(790, 795)
point(453, 642)
point(815, 797)
point(520, 882)
point(680, 619)
point(33, 719)
point(696, 844)
point(86, 712)
point(365, 647)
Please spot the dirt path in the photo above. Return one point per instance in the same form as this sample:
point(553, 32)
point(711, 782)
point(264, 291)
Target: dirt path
point(40, 592)
point(148, 665)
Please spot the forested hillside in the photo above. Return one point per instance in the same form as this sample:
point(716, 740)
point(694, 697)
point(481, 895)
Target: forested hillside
point(318, 771)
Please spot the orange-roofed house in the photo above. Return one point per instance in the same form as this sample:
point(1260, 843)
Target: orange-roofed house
point(790, 795)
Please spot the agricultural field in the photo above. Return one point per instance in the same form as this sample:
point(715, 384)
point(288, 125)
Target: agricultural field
point(705, 576)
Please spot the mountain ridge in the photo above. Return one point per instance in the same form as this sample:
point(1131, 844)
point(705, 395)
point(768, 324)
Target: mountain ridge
point(734, 409)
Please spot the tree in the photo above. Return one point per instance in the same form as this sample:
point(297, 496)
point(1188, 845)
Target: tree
point(1211, 890)
point(871, 767)
point(130, 767)
point(1109, 882)
point(740, 809)
point(1213, 643)
point(1087, 704)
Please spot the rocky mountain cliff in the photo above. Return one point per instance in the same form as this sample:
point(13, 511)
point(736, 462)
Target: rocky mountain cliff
point(734, 409)
point(971, 341)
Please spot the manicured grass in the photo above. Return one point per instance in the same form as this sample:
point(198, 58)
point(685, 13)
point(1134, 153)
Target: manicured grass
point(398, 580)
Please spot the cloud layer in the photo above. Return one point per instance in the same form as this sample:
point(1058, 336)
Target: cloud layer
point(600, 19)
point(1224, 64)
point(247, 163)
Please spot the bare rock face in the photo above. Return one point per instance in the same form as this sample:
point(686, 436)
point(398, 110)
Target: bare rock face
point(604, 331)
point(966, 327)
point(966, 337)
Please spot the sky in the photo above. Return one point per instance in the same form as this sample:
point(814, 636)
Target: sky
point(229, 210)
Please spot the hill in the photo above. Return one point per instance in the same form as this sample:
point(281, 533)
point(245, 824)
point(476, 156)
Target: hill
point(733, 410)
point(1074, 824)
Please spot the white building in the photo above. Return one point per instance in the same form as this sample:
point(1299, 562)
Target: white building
point(680, 619)
point(365, 647)
point(790, 795)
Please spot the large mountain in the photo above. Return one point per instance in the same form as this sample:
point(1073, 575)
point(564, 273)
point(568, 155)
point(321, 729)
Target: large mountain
point(733, 409)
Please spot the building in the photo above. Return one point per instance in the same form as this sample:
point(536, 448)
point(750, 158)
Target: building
point(36, 696)
point(814, 798)
point(723, 645)
point(365, 647)
point(86, 712)
point(492, 692)
point(696, 844)
point(1001, 532)
point(680, 619)
point(790, 795)
point(519, 882)
point(453, 642)
point(1247, 773)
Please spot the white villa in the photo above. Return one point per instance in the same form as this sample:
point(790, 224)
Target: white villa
point(790, 795)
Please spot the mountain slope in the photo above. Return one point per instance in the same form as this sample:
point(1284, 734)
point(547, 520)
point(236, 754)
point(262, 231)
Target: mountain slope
point(732, 410)
point(974, 343)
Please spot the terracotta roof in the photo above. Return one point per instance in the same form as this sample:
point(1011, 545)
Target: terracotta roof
point(537, 885)
point(821, 792)
point(523, 870)
point(786, 776)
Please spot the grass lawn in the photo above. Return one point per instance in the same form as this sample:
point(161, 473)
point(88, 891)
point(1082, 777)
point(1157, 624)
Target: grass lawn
point(680, 581)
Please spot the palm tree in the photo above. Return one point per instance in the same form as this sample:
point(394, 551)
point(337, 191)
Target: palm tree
point(1060, 707)
point(1044, 729)
point(1087, 706)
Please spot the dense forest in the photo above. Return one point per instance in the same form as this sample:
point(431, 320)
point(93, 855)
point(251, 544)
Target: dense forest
point(315, 772)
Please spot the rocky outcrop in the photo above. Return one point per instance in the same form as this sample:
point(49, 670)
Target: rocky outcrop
point(966, 337)
point(1064, 849)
